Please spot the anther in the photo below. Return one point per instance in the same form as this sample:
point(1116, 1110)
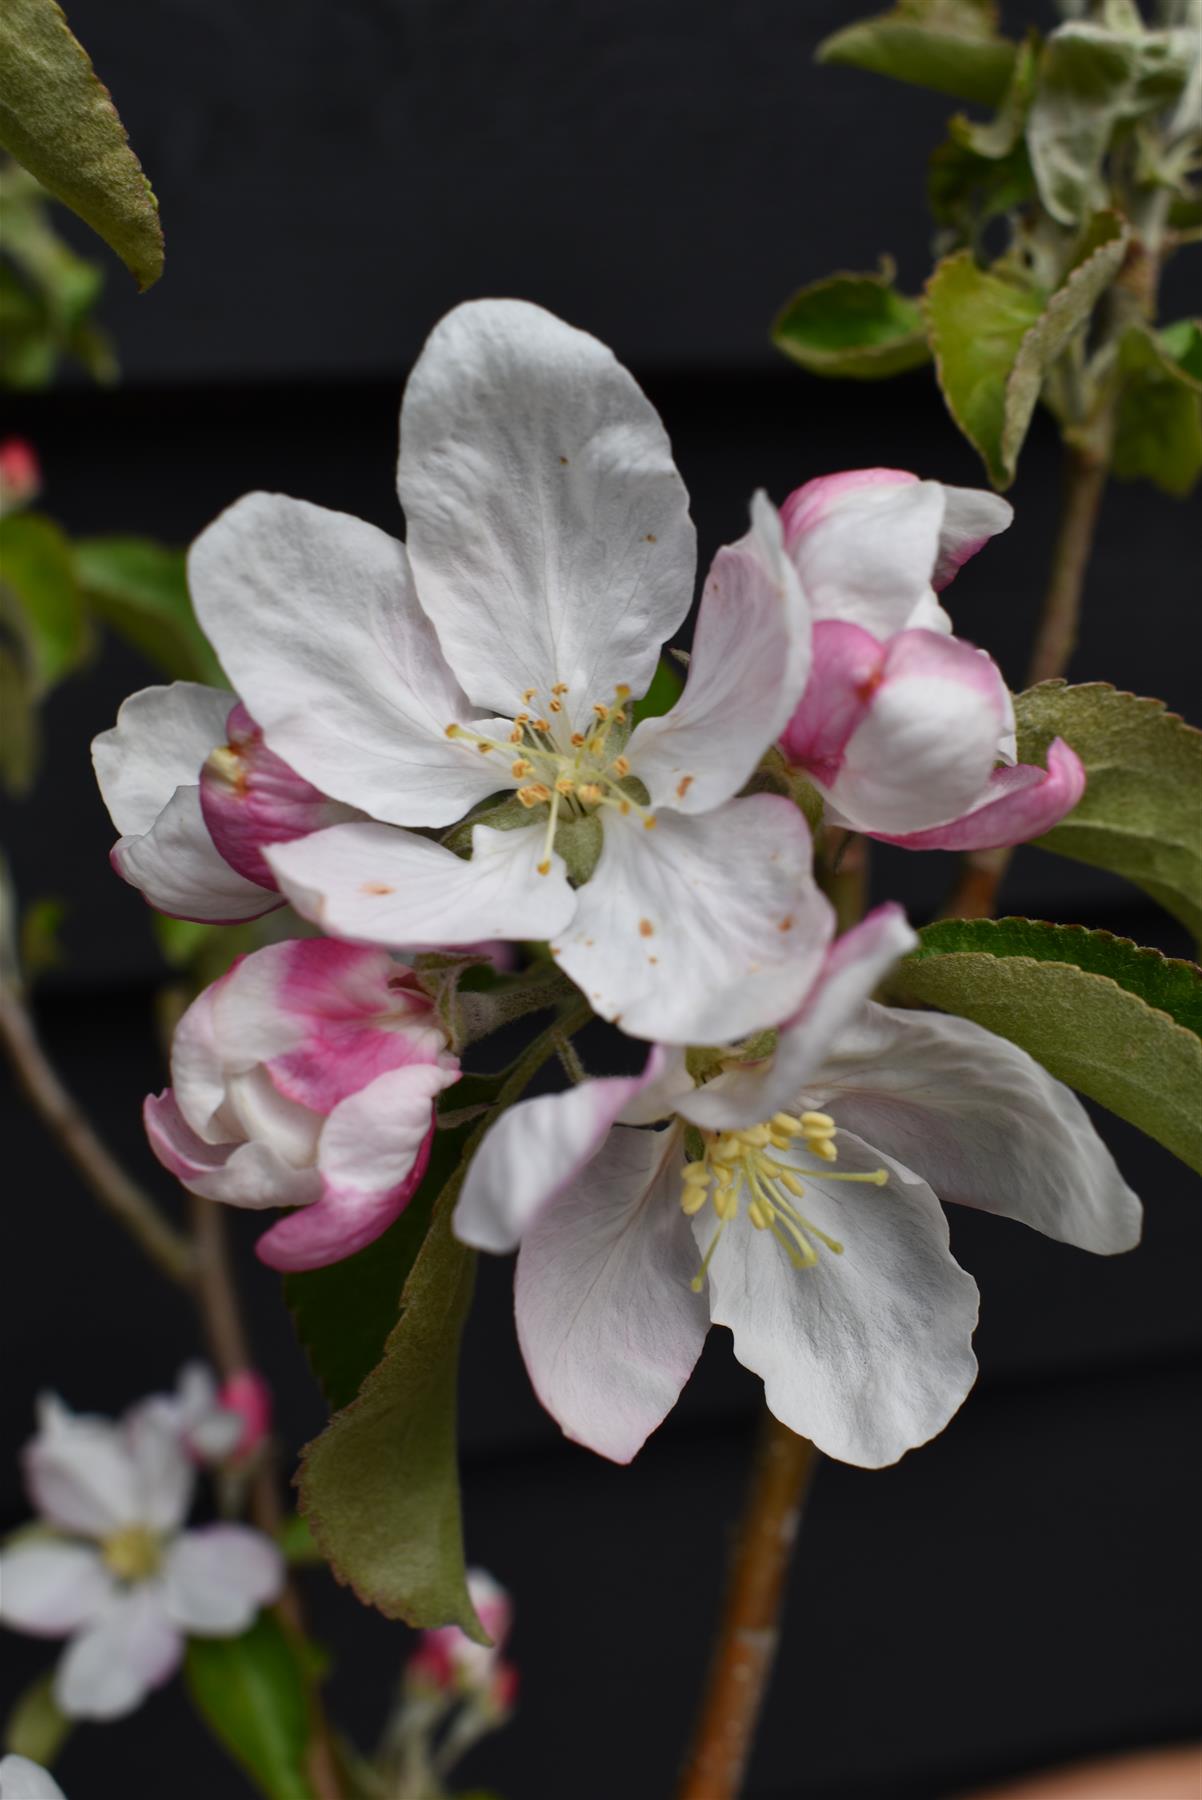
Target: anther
point(621, 766)
point(453, 731)
point(543, 725)
point(534, 795)
point(590, 793)
point(544, 868)
point(521, 767)
point(577, 740)
point(555, 706)
point(565, 785)
point(600, 708)
point(560, 687)
point(818, 1122)
point(529, 694)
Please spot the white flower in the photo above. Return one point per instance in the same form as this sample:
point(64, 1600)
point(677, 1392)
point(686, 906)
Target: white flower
point(496, 654)
point(837, 1283)
point(208, 1430)
point(115, 1573)
point(21, 1779)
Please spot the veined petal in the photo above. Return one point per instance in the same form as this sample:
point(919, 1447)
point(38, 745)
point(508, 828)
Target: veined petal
point(868, 1353)
point(854, 965)
point(159, 743)
point(925, 747)
point(535, 1151)
point(108, 1670)
point(548, 528)
point(747, 672)
point(703, 929)
point(216, 1579)
point(314, 617)
point(239, 1174)
point(609, 1325)
point(375, 884)
point(981, 1121)
point(865, 544)
point(178, 869)
point(51, 1588)
point(21, 1779)
point(1018, 804)
point(78, 1472)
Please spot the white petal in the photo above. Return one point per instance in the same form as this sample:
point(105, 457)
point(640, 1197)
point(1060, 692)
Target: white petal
point(535, 1151)
point(868, 1353)
point(869, 558)
point(971, 516)
point(177, 867)
point(704, 928)
point(609, 1325)
point(371, 1139)
point(748, 669)
point(79, 1473)
point(111, 1667)
point(160, 742)
point(548, 528)
point(166, 1475)
point(51, 1587)
point(315, 620)
point(239, 1174)
point(982, 1122)
point(374, 884)
point(21, 1779)
point(854, 965)
point(216, 1579)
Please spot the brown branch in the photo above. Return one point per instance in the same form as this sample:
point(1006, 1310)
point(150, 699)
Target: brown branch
point(117, 1192)
point(750, 1627)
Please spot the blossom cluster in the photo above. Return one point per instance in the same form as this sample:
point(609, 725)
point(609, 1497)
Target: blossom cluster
point(440, 742)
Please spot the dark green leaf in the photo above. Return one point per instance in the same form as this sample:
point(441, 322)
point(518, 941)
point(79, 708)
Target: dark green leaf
point(20, 730)
point(140, 589)
point(665, 690)
point(40, 599)
point(852, 325)
point(380, 1486)
point(1158, 413)
point(1139, 815)
point(253, 1694)
point(1117, 1022)
point(59, 122)
point(35, 1727)
point(948, 45)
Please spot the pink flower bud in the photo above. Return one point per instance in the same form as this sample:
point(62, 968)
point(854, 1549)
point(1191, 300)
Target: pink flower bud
point(20, 475)
point(247, 1394)
point(447, 1661)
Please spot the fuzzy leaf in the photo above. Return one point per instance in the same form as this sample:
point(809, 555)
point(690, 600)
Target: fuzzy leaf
point(1158, 416)
point(1139, 815)
point(983, 168)
point(59, 122)
point(1113, 1020)
point(140, 589)
point(380, 1486)
point(948, 45)
point(852, 325)
point(252, 1692)
point(40, 599)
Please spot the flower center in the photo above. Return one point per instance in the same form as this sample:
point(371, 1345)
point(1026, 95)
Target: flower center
point(133, 1554)
point(570, 777)
point(738, 1164)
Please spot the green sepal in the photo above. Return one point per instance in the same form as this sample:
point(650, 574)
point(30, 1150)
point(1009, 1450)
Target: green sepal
point(1117, 1022)
point(1139, 815)
point(58, 120)
point(253, 1693)
point(948, 45)
point(853, 325)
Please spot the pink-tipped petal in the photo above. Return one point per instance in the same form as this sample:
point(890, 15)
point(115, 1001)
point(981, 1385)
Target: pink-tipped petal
point(846, 671)
point(971, 516)
point(1019, 804)
point(864, 545)
point(807, 505)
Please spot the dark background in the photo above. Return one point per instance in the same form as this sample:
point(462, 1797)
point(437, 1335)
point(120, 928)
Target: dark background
point(332, 177)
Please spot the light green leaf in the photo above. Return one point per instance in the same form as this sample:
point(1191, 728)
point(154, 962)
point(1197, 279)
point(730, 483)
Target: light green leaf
point(1139, 815)
point(380, 1486)
point(1113, 1020)
point(253, 1694)
point(1183, 341)
point(40, 599)
point(59, 122)
point(35, 1727)
point(948, 45)
point(666, 687)
point(296, 1542)
point(1158, 413)
point(853, 325)
point(140, 589)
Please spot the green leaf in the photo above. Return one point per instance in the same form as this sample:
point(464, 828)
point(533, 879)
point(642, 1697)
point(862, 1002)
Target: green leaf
point(59, 122)
point(983, 169)
point(296, 1542)
point(1158, 413)
point(667, 684)
point(995, 338)
point(40, 599)
point(948, 45)
point(20, 728)
point(41, 948)
point(1183, 341)
point(253, 1694)
point(1117, 1022)
point(47, 298)
point(35, 1727)
point(140, 589)
point(380, 1486)
point(852, 325)
point(1139, 815)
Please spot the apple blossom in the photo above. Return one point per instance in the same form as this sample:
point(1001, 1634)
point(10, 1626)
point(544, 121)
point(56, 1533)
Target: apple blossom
point(837, 1284)
point(902, 725)
point(447, 1661)
point(494, 659)
point(306, 1077)
point(21, 1779)
point(114, 1571)
point(216, 1424)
